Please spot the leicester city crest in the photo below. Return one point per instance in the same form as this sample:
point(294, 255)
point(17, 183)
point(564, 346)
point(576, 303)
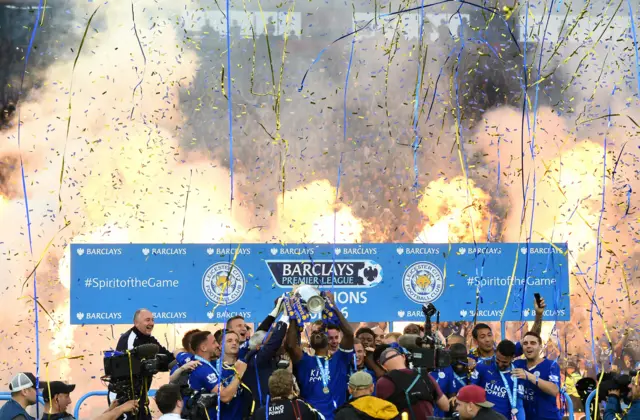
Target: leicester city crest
point(423, 282)
point(223, 283)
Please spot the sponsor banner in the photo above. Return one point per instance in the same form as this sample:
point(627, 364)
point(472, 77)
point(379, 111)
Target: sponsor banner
point(371, 282)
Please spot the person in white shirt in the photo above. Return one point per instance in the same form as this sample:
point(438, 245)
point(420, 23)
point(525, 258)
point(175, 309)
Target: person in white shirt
point(169, 402)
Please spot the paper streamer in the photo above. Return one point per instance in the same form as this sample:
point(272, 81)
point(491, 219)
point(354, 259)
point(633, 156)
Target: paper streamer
point(26, 201)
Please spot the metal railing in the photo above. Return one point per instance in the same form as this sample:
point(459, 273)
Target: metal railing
point(587, 405)
point(76, 410)
point(567, 398)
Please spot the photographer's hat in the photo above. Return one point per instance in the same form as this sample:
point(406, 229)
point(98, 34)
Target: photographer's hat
point(360, 380)
point(55, 387)
point(474, 394)
point(22, 380)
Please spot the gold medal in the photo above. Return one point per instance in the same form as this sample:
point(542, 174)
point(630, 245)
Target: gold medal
point(325, 390)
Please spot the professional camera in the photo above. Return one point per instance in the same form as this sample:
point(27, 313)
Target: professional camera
point(612, 381)
point(426, 353)
point(197, 405)
point(129, 373)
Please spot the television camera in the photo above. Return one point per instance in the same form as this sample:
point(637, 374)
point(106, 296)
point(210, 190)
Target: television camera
point(196, 402)
point(426, 353)
point(129, 373)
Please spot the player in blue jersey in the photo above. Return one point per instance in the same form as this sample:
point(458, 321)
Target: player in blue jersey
point(183, 356)
point(504, 390)
point(541, 378)
point(237, 325)
point(322, 379)
point(222, 378)
point(485, 341)
point(452, 378)
point(359, 361)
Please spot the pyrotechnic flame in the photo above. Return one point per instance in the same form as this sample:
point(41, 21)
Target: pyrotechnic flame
point(452, 215)
point(308, 216)
point(62, 344)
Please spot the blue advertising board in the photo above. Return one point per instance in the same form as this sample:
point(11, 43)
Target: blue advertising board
point(197, 283)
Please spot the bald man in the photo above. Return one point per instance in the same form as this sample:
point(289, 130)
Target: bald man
point(137, 335)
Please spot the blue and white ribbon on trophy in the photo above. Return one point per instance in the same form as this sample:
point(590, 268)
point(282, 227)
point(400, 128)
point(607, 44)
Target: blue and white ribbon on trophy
point(306, 299)
point(330, 312)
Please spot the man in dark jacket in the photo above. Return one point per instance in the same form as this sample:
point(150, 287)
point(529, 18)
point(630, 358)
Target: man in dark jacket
point(57, 399)
point(23, 394)
point(472, 404)
point(139, 334)
point(363, 405)
point(261, 360)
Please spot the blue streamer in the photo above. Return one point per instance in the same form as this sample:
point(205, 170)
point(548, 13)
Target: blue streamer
point(26, 201)
point(229, 100)
point(416, 105)
point(344, 141)
point(635, 46)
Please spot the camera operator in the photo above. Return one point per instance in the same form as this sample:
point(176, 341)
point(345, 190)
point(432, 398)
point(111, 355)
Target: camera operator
point(400, 384)
point(136, 336)
point(57, 398)
point(169, 401)
point(453, 377)
point(613, 409)
point(283, 405)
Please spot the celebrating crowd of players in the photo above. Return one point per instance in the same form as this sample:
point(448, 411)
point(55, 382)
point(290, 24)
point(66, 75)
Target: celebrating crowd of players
point(339, 375)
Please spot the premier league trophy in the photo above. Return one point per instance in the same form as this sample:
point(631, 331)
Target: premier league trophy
point(305, 300)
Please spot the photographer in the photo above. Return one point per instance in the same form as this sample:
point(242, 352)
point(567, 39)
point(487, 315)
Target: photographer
point(169, 401)
point(613, 409)
point(283, 405)
point(452, 378)
point(140, 334)
point(401, 384)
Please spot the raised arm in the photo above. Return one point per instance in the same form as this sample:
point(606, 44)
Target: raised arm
point(291, 343)
point(537, 324)
point(345, 327)
point(269, 349)
point(268, 321)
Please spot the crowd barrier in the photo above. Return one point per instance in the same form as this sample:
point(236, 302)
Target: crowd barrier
point(588, 405)
point(103, 393)
point(567, 398)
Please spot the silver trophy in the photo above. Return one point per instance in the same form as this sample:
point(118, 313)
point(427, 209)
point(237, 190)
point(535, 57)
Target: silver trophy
point(310, 298)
